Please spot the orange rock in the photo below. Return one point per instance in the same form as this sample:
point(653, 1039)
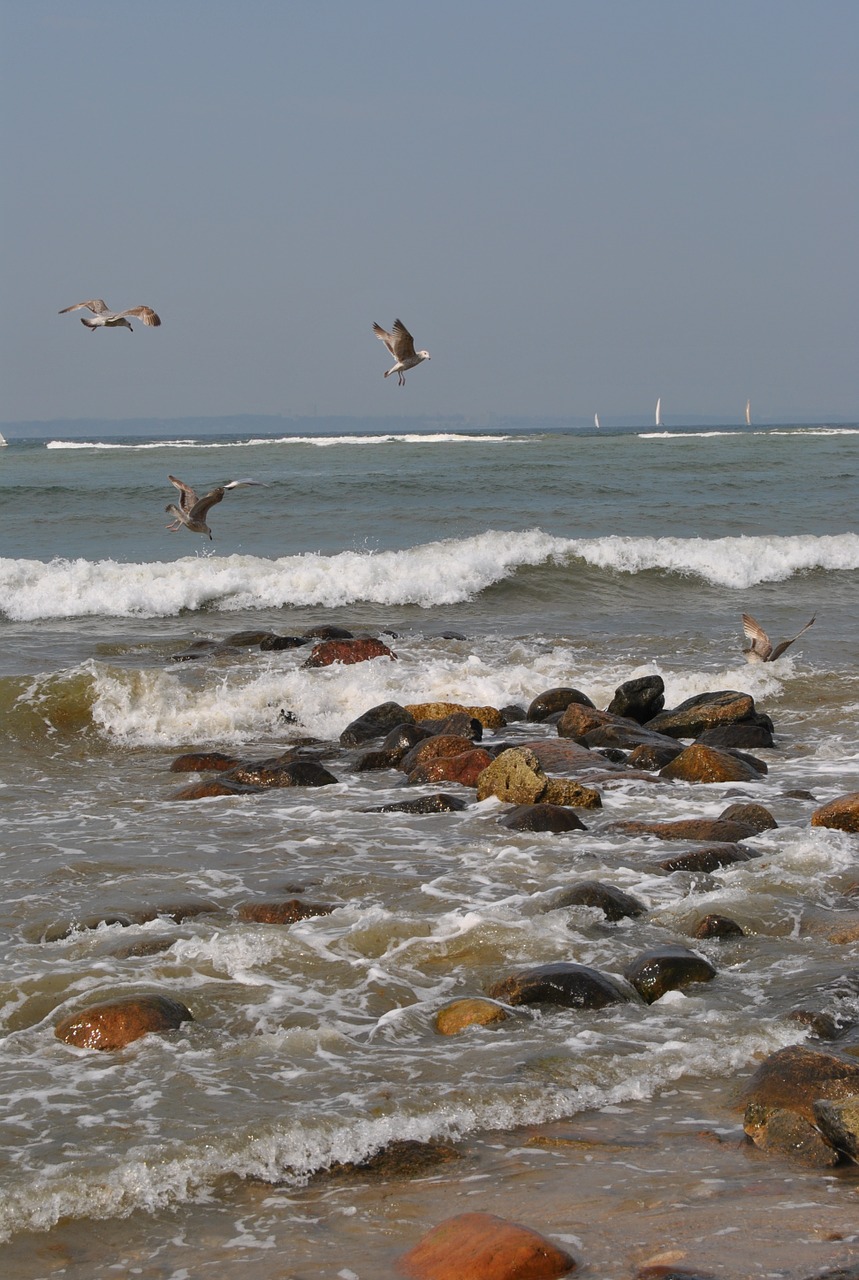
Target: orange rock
point(347, 652)
point(707, 764)
point(282, 912)
point(841, 813)
point(464, 768)
point(470, 1011)
point(118, 1022)
point(481, 1246)
point(490, 717)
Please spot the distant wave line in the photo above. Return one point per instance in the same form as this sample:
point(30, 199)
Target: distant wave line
point(320, 441)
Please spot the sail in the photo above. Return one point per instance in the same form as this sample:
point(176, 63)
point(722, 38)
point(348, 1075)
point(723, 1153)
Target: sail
point(748, 413)
point(2, 439)
point(659, 412)
point(597, 421)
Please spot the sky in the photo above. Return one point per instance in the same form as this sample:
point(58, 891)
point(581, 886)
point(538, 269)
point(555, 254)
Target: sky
point(575, 205)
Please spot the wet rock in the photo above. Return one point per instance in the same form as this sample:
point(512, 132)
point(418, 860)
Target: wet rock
point(640, 699)
point(513, 712)
point(785, 1133)
point(60, 930)
point(405, 736)
point(247, 639)
point(821, 1025)
point(516, 776)
point(541, 817)
point(294, 773)
point(480, 1246)
point(842, 814)
point(401, 1159)
point(705, 711)
point(287, 912)
point(441, 744)
point(613, 902)
point(472, 1011)
point(282, 642)
point(648, 756)
point(438, 803)
point(383, 719)
point(665, 1271)
point(116, 1023)
point(553, 701)
point(845, 934)
point(574, 986)
point(346, 652)
point(746, 733)
point(667, 968)
point(373, 761)
point(625, 734)
point(707, 764)
point(567, 791)
point(564, 756)
point(716, 926)
point(203, 762)
point(579, 719)
point(464, 768)
point(793, 1079)
point(207, 788)
point(709, 858)
point(839, 1123)
point(460, 724)
point(197, 649)
point(716, 829)
point(613, 754)
point(755, 816)
point(489, 717)
point(328, 632)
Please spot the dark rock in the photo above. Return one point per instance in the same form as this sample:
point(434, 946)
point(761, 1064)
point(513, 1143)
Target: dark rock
point(197, 649)
point(821, 1025)
point(839, 1123)
point(717, 829)
point(203, 762)
point(665, 1272)
point(295, 773)
point(541, 817)
point(452, 635)
point(282, 642)
point(707, 764)
point(282, 912)
point(745, 733)
point(460, 724)
point(706, 710)
point(624, 733)
point(327, 632)
point(715, 926)
point(247, 639)
point(709, 858)
point(841, 814)
point(667, 968)
point(640, 699)
point(401, 1159)
point(613, 902)
point(793, 1079)
point(207, 788)
point(116, 1023)
point(405, 736)
point(346, 652)
point(613, 754)
point(513, 712)
point(555, 700)
point(480, 1246)
point(648, 756)
point(752, 815)
point(374, 760)
point(786, 1133)
point(438, 803)
point(575, 986)
point(385, 718)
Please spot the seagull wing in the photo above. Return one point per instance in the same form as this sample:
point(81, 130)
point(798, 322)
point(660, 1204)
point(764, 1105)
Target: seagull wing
point(146, 314)
point(188, 497)
point(785, 644)
point(238, 484)
point(387, 338)
point(208, 500)
point(96, 305)
point(758, 638)
point(404, 343)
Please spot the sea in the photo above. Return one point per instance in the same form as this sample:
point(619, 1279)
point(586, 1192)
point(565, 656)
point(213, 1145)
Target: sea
point(496, 564)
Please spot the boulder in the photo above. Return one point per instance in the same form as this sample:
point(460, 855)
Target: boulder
point(652, 756)
point(327, 631)
point(273, 773)
point(839, 1123)
point(745, 733)
point(716, 926)
point(439, 803)
point(346, 652)
point(541, 817)
point(379, 720)
point(473, 1011)
point(116, 1023)
point(707, 764)
point(621, 734)
point(785, 1133)
point(640, 699)
point(480, 1246)
point(203, 762)
point(842, 814)
point(442, 744)
point(566, 791)
point(755, 816)
point(564, 756)
point(574, 986)
point(708, 858)
point(554, 701)
point(794, 1079)
point(613, 902)
point(706, 710)
point(464, 768)
point(287, 912)
point(667, 968)
point(717, 829)
point(516, 776)
point(460, 723)
point(282, 642)
point(206, 788)
point(489, 717)
point(579, 719)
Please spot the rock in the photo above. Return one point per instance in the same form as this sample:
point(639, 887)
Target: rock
point(431, 748)
point(472, 1011)
point(405, 736)
point(667, 1272)
point(839, 1123)
point(246, 639)
point(516, 776)
point(541, 817)
point(282, 642)
point(382, 719)
point(328, 632)
point(372, 761)
point(785, 1133)
point(282, 912)
point(566, 791)
point(574, 986)
point(464, 768)
point(707, 764)
point(715, 926)
point(460, 724)
point(709, 858)
point(624, 734)
point(716, 829)
point(752, 815)
point(563, 755)
point(649, 756)
point(639, 700)
point(294, 773)
point(347, 652)
point(555, 700)
point(489, 717)
point(403, 1158)
point(439, 803)
point(203, 762)
point(667, 968)
point(794, 1079)
point(613, 902)
point(821, 1025)
point(512, 712)
point(842, 814)
point(197, 649)
point(480, 1246)
point(706, 710)
point(209, 787)
point(746, 733)
point(579, 719)
point(117, 1023)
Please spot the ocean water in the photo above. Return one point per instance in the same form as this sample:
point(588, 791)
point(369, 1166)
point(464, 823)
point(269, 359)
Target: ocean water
point(496, 565)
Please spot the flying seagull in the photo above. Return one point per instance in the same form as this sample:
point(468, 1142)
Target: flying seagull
point(192, 511)
point(401, 345)
point(104, 318)
point(760, 648)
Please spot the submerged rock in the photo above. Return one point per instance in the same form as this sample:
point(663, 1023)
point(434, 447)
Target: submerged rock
point(575, 986)
point(116, 1023)
point(473, 1011)
point(541, 817)
point(613, 902)
point(480, 1246)
point(667, 968)
point(715, 926)
point(709, 858)
point(346, 652)
point(438, 803)
point(794, 1079)
point(288, 912)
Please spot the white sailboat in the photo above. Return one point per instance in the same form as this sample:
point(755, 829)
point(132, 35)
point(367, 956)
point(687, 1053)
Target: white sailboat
point(2, 440)
point(597, 421)
point(659, 412)
point(748, 413)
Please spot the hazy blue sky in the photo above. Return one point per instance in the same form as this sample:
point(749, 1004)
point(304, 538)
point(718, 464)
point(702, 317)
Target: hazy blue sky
point(574, 206)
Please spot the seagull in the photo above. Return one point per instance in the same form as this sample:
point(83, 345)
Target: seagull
point(104, 318)
point(192, 510)
point(401, 345)
point(760, 649)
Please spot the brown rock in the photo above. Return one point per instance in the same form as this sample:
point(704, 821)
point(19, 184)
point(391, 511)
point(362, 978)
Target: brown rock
point(709, 858)
point(438, 803)
point(203, 762)
point(515, 776)
point(715, 926)
point(579, 719)
point(541, 817)
point(668, 968)
point(489, 717)
point(753, 815)
point(208, 787)
point(282, 912)
point(553, 701)
point(442, 744)
point(575, 986)
point(566, 791)
point(707, 764)
point(379, 720)
point(625, 735)
point(688, 829)
point(839, 1122)
point(793, 1079)
point(117, 1023)
point(648, 756)
point(696, 715)
point(465, 768)
point(347, 652)
point(613, 902)
point(564, 756)
point(842, 814)
point(273, 773)
point(474, 1011)
point(480, 1246)
point(400, 1159)
point(785, 1133)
